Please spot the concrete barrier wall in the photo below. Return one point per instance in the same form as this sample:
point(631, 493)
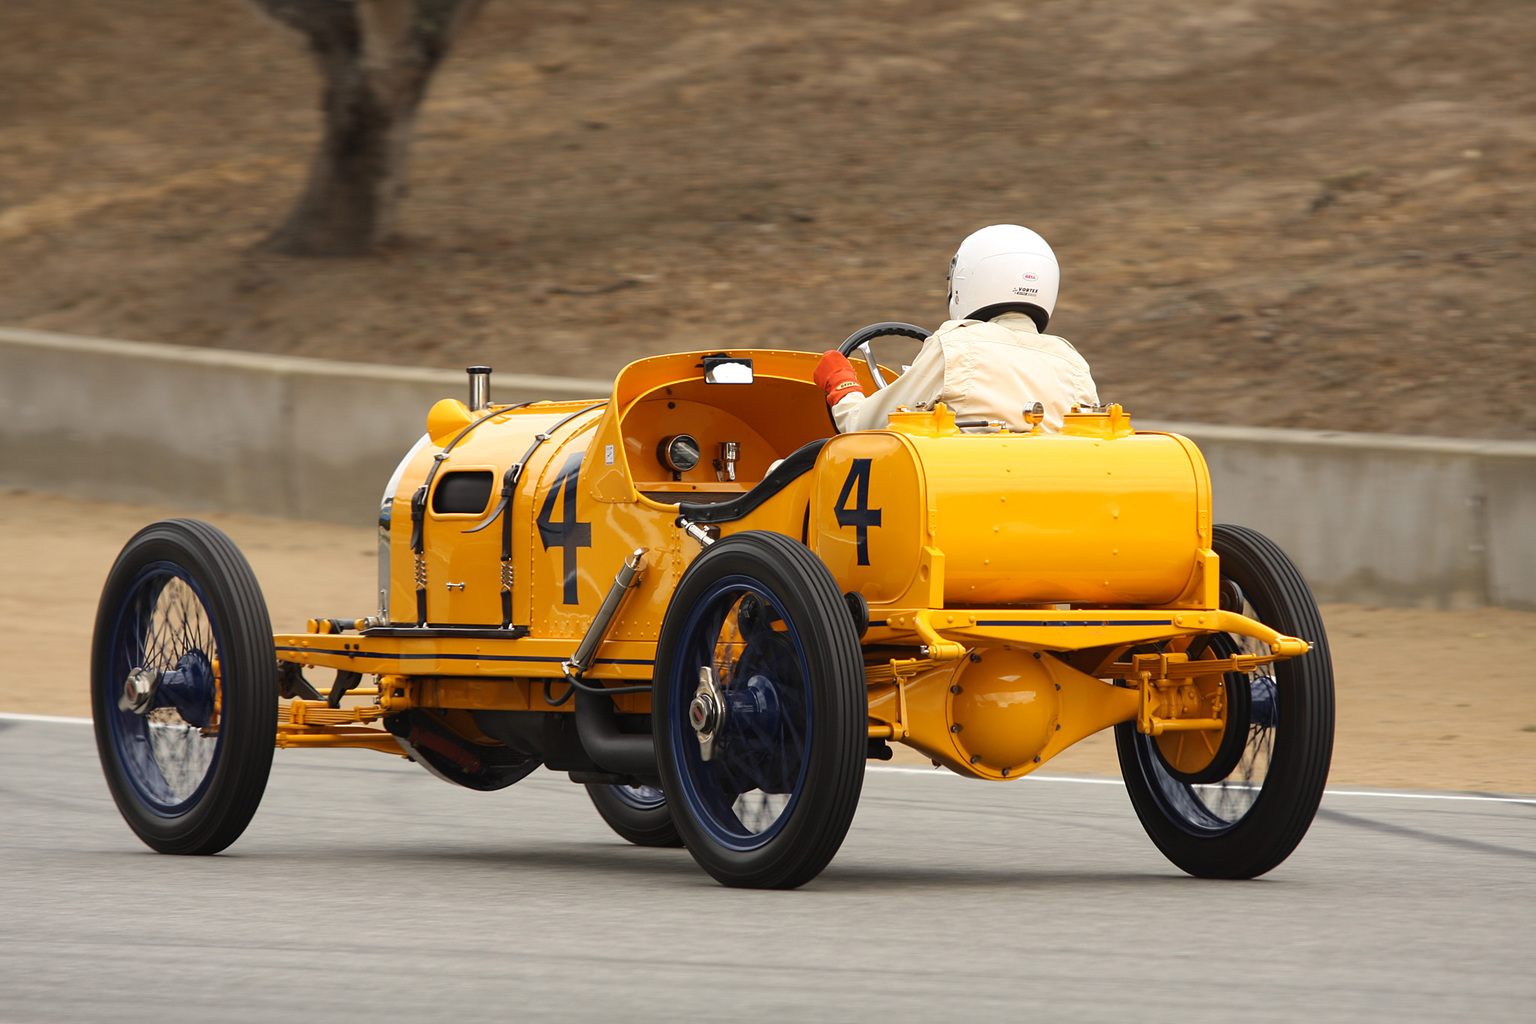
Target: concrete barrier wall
point(1383, 519)
point(233, 431)
point(1378, 519)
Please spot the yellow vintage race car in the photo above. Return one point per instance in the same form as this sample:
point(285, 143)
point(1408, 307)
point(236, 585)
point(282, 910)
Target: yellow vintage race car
point(703, 603)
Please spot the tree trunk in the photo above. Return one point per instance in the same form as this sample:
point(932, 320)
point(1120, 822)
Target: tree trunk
point(376, 57)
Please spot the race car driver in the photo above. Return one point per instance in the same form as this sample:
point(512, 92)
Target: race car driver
point(991, 358)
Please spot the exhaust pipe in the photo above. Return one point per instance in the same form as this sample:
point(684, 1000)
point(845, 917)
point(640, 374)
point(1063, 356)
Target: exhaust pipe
point(596, 721)
point(623, 753)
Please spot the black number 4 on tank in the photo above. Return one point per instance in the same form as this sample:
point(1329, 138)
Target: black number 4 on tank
point(567, 533)
point(861, 515)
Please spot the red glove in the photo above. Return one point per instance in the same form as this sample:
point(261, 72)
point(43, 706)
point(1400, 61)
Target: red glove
point(834, 375)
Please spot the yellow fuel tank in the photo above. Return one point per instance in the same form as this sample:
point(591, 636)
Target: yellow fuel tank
point(923, 516)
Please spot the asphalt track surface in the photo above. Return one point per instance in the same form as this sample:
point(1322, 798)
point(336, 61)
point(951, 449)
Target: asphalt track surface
point(365, 889)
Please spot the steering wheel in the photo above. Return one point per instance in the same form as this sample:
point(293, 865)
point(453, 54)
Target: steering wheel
point(859, 341)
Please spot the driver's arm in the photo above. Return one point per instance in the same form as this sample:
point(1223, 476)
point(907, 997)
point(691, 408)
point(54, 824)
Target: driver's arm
point(919, 385)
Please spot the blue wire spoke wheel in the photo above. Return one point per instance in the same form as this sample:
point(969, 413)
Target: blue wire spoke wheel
point(184, 687)
point(760, 712)
point(637, 813)
point(1248, 811)
point(753, 764)
point(164, 643)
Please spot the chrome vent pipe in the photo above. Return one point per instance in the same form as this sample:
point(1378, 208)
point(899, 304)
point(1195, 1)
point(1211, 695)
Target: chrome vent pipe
point(479, 387)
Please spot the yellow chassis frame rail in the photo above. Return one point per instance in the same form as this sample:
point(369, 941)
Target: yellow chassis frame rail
point(461, 656)
point(946, 635)
point(945, 632)
point(940, 636)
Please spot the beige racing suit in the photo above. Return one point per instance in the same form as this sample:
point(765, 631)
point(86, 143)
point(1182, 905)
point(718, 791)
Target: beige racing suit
point(982, 370)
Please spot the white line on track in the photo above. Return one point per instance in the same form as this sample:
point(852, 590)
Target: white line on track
point(16, 716)
point(1090, 780)
point(1082, 780)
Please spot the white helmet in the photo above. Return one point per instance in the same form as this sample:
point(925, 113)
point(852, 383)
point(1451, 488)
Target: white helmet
point(1003, 267)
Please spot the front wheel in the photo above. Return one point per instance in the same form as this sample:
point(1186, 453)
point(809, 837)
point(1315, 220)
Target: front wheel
point(760, 712)
point(1249, 819)
point(184, 687)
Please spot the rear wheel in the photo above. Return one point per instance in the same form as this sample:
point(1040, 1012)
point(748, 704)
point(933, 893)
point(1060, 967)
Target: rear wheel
point(184, 687)
point(760, 712)
point(637, 813)
point(1249, 819)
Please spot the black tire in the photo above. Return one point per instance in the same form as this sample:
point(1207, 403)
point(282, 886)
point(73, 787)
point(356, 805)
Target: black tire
point(772, 805)
point(188, 768)
point(1250, 821)
point(637, 813)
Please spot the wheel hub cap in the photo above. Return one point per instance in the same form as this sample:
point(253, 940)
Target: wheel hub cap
point(189, 688)
point(139, 690)
point(706, 713)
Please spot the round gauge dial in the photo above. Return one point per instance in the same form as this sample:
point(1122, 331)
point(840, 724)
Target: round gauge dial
point(679, 453)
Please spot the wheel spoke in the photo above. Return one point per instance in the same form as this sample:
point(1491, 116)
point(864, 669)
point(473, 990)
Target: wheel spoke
point(164, 621)
point(758, 751)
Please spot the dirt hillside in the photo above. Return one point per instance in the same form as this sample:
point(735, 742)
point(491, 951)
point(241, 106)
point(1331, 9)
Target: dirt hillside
point(1291, 212)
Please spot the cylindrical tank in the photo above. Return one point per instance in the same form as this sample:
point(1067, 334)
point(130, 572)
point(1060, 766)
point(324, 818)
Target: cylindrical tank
point(1012, 519)
point(1065, 519)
